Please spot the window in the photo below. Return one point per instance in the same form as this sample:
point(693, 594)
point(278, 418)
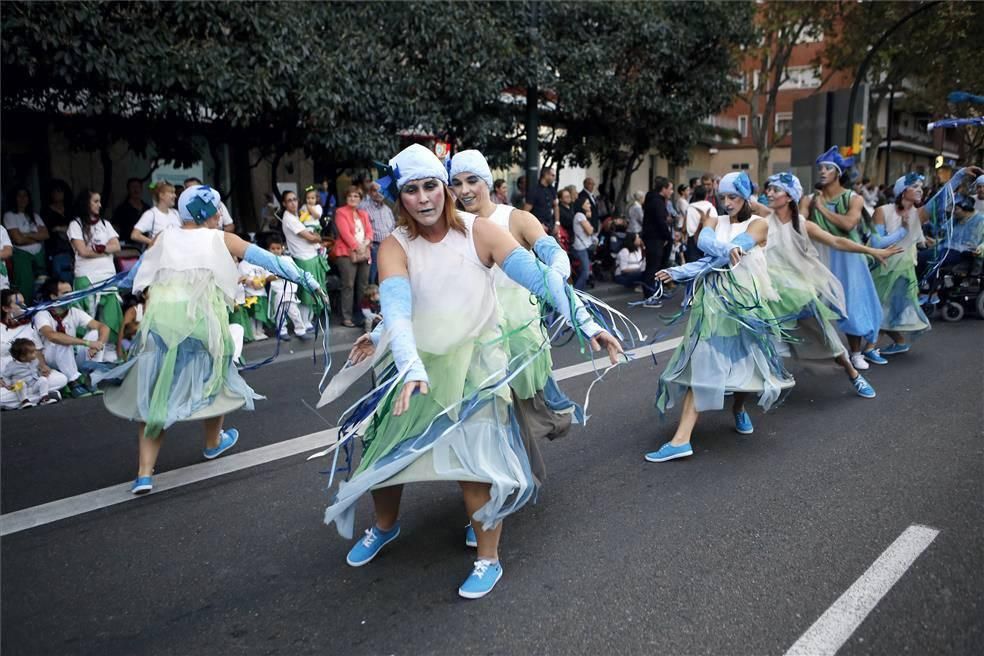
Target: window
point(740, 167)
point(801, 77)
point(743, 125)
point(784, 123)
point(741, 80)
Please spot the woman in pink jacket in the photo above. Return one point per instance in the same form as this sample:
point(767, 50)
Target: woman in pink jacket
point(351, 251)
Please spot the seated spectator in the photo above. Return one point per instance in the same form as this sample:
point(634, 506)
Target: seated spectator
point(95, 242)
point(14, 326)
point(59, 329)
point(134, 308)
point(28, 234)
point(128, 212)
point(159, 217)
point(630, 263)
point(57, 216)
point(25, 381)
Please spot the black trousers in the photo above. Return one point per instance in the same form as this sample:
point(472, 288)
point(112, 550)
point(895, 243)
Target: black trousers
point(655, 258)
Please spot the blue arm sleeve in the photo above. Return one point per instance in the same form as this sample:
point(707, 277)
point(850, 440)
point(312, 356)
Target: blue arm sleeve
point(281, 267)
point(550, 288)
point(691, 270)
point(883, 240)
point(708, 242)
point(397, 305)
point(744, 241)
point(936, 206)
point(377, 333)
point(551, 254)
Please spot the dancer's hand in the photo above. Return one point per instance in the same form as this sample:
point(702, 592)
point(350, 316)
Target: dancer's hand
point(882, 254)
point(613, 346)
point(403, 400)
point(705, 218)
point(362, 349)
point(664, 276)
point(735, 256)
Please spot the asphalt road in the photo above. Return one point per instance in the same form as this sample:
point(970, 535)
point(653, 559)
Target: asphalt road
point(737, 550)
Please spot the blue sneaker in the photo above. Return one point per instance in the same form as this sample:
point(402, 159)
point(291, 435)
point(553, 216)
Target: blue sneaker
point(863, 388)
point(482, 579)
point(874, 357)
point(227, 440)
point(894, 349)
point(670, 452)
point(743, 423)
point(471, 540)
point(142, 485)
point(367, 548)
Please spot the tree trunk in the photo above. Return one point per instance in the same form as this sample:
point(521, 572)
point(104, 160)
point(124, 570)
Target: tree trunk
point(632, 164)
point(242, 191)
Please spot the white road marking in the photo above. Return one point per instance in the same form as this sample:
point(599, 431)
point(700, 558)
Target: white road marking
point(28, 518)
point(835, 626)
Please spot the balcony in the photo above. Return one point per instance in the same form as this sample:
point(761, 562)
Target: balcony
point(720, 130)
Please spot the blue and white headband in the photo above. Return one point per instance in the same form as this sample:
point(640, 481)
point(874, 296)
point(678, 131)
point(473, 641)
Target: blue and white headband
point(198, 203)
point(736, 183)
point(834, 158)
point(474, 162)
point(906, 181)
point(788, 182)
point(979, 182)
point(412, 163)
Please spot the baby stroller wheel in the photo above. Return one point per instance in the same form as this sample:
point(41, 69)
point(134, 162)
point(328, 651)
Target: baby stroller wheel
point(953, 311)
point(979, 305)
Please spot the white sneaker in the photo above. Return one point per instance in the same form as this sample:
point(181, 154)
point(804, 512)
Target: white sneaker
point(859, 362)
point(259, 337)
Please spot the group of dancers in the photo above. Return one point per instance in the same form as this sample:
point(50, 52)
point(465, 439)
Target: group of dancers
point(462, 387)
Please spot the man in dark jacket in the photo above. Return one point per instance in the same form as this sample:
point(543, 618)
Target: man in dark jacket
point(656, 235)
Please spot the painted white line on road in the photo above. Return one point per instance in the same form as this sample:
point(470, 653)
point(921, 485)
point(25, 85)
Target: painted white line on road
point(54, 511)
point(835, 626)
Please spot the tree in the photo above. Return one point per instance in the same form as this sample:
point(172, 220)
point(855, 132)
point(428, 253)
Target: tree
point(779, 27)
point(910, 60)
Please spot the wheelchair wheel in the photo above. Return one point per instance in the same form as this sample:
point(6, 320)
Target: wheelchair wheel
point(979, 305)
point(953, 311)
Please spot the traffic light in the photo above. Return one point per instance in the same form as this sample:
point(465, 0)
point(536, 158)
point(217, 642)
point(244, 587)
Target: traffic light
point(857, 143)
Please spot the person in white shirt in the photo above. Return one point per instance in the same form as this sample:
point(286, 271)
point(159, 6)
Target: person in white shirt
point(158, 218)
point(630, 263)
point(698, 203)
point(15, 326)
point(6, 251)
point(254, 279)
point(304, 245)
point(283, 299)
point(24, 382)
point(28, 234)
point(979, 197)
point(95, 241)
point(310, 212)
point(59, 328)
point(583, 232)
point(682, 202)
point(636, 213)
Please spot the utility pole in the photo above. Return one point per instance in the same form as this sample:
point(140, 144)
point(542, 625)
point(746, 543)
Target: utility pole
point(532, 104)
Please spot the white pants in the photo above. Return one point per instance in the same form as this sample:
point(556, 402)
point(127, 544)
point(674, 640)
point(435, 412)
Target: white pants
point(67, 359)
point(11, 400)
point(292, 310)
point(306, 316)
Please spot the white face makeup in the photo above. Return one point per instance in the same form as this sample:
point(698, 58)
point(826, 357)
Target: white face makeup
point(470, 190)
point(828, 173)
point(424, 200)
point(777, 197)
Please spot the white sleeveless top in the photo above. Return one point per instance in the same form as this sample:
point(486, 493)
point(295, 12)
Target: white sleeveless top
point(197, 252)
point(500, 217)
point(895, 220)
point(753, 267)
point(790, 251)
point(453, 291)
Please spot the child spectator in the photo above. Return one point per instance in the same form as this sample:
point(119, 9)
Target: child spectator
point(254, 279)
point(59, 328)
point(310, 212)
point(23, 376)
point(677, 253)
point(238, 314)
point(283, 299)
point(370, 307)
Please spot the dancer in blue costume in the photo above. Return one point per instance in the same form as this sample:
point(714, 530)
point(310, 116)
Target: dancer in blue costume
point(732, 337)
point(183, 368)
point(444, 411)
point(838, 211)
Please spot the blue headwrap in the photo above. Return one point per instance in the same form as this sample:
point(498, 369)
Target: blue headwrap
point(471, 161)
point(964, 202)
point(906, 181)
point(833, 157)
point(412, 163)
point(788, 183)
point(198, 203)
point(979, 182)
point(736, 183)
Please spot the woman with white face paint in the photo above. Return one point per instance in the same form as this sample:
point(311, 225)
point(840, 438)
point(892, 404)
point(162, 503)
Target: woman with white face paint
point(732, 338)
point(541, 408)
point(810, 296)
point(444, 410)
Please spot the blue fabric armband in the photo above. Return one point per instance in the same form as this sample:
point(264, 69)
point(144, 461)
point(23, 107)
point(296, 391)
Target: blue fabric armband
point(744, 241)
point(691, 270)
point(883, 240)
point(377, 333)
point(396, 300)
point(550, 288)
point(708, 242)
point(280, 266)
point(551, 254)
